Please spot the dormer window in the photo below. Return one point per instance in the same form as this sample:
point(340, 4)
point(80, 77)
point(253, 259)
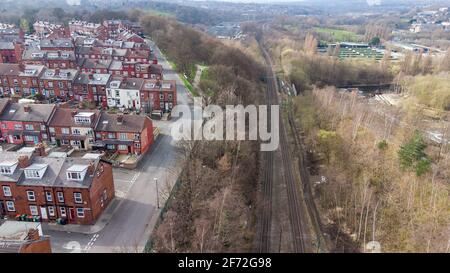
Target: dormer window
point(83, 118)
point(52, 55)
point(35, 171)
point(30, 71)
point(64, 74)
point(37, 55)
point(65, 55)
point(115, 84)
point(77, 172)
point(8, 167)
point(49, 73)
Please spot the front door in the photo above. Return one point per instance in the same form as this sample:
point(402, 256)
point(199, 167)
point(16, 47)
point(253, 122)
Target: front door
point(2, 208)
point(129, 149)
point(58, 142)
point(44, 213)
point(72, 213)
point(82, 144)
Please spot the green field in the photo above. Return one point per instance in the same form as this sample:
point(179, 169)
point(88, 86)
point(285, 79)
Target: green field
point(338, 35)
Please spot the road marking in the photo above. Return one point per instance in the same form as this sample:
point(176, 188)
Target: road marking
point(91, 242)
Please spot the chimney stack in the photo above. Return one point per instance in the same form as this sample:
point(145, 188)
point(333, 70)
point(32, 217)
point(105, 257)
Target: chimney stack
point(73, 113)
point(27, 108)
point(119, 118)
point(24, 161)
point(40, 149)
point(91, 169)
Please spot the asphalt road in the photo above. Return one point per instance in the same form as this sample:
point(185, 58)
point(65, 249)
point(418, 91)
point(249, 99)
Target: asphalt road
point(131, 223)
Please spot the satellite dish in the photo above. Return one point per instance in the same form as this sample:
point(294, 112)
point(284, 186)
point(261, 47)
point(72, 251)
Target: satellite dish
point(373, 247)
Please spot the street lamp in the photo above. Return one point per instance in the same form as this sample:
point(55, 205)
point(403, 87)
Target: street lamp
point(157, 192)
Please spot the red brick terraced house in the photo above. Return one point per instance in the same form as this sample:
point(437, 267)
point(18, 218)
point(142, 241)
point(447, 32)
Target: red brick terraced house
point(9, 76)
point(74, 128)
point(26, 123)
point(58, 83)
point(91, 87)
point(125, 134)
point(29, 79)
point(51, 59)
point(57, 44)
point(48, 189)
point(10, 52)
point(98, 66)
point(158, 95)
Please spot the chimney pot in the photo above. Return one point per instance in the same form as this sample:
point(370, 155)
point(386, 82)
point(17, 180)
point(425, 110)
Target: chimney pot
point(27, 108)
point(119, 119)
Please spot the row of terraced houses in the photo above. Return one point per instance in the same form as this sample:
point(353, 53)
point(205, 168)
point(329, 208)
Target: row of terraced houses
point(74, 189)
point(108, 65)
point(113, 70)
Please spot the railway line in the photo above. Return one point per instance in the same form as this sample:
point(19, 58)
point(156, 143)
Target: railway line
point(297, 216)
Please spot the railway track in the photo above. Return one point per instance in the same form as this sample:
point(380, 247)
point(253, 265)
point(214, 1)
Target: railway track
point(296, 215)
point(267, 189)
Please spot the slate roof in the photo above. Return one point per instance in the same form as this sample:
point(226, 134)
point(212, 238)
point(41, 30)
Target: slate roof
point(9, 69)
point(130, 123)
point(63, 118)
point(38, 113)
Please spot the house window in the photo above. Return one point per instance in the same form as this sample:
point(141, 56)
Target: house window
point(137, 145)
point(4, 126)
point(48, 196)
point(110, 147)
point(60, 195)
point(42, 127)
point(50, 84)
point(76, 131)
point(137, 136)
point(76, 143)
point(74, 175)
point(161, 96)
point(105, 195)
point(29, 138)
point(65, 131)
point(63, 212)
point(51, 210)
point(32, 174)
point(60, 85)
point(29, 127)
point(80, 212)
point(31, 196)
point(51, 129)
point(10, 206)
point(77, 197)
point(122, 147)
point(5, 170)
point(34, 210)
point(123, 136)
point(7, 191)
point(64, 142)
point(17, 126)
point(111, 135)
